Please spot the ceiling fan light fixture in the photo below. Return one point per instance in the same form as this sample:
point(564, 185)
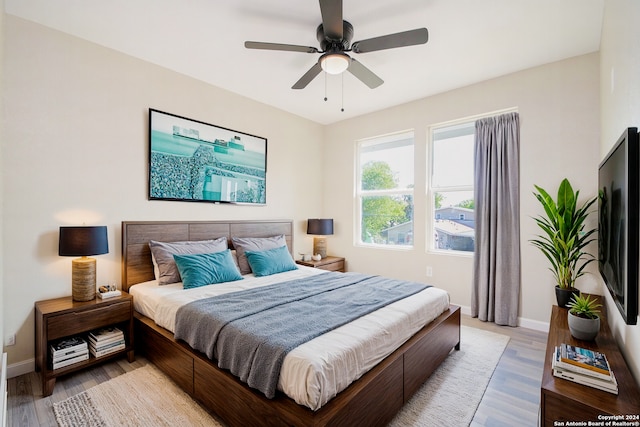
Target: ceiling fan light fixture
point(335, 63)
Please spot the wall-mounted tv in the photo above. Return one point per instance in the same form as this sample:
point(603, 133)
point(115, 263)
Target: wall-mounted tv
point(618, 228)
point(190, 160)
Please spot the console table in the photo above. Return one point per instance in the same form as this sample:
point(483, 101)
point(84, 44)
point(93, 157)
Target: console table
point(563, 400)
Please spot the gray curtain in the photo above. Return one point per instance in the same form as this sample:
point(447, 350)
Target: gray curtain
point(496, 263)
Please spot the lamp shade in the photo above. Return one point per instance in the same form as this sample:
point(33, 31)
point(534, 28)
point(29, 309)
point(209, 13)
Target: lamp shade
point(320, 227)
point(83, 241)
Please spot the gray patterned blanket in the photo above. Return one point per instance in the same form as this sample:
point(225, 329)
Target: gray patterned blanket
point(250, 332)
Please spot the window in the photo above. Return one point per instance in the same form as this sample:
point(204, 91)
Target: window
point(451, 187)
point(385, 190)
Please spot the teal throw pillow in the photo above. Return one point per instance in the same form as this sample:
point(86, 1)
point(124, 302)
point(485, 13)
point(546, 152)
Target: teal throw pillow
point(206, 269)
point(271, 261)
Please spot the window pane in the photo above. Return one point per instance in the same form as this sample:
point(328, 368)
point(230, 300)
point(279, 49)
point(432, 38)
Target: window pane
point(385, 192)
point(453, 161)
point(387, 220)
point(387, 165)
point(454, 221)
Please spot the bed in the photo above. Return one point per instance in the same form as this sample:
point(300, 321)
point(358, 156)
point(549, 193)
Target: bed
point(373, 399)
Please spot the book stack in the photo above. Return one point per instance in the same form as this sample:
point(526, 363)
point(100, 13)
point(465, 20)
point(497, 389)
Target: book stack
point(68, 351)
point(106, 341)
point(584, 366)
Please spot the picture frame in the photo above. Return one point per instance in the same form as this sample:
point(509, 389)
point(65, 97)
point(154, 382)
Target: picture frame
point(194, 161)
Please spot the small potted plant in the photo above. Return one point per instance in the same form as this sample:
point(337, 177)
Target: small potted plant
point(583, 317)
point(564, 239)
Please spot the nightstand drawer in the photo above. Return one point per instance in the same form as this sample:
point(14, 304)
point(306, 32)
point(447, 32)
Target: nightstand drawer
point(330, 263)
point(81, 321)
point(334, 266)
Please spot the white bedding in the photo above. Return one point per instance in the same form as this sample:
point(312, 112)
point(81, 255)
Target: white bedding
point(316, 371)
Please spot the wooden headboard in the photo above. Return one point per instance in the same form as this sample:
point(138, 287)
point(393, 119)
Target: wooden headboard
point(136, 256)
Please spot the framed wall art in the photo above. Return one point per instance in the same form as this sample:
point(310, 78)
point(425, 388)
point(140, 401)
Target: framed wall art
point(190, 160)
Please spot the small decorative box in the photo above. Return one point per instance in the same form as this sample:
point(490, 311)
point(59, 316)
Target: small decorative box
point(109, 294)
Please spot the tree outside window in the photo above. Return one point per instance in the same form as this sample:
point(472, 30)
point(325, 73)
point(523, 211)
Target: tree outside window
point(385, 190)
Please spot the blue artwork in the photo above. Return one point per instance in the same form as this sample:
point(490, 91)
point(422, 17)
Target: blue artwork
point(196, 161)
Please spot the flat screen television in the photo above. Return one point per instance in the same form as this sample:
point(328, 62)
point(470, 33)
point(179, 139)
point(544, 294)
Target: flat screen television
point(194, 161)
point(618, 228)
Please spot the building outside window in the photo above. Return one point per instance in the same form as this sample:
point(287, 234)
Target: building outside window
point(384, 190)
point(451, 187)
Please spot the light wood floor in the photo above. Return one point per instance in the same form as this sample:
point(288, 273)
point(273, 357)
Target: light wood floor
point(512, 397)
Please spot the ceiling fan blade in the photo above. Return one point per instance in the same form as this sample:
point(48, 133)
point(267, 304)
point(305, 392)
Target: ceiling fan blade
point(332, 19)
point(308, 76)
point(364, 74)
point(280, 46)
point(405, 38)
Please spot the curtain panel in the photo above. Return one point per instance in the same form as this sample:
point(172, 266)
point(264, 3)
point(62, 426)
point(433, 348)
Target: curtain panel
point(496, 266)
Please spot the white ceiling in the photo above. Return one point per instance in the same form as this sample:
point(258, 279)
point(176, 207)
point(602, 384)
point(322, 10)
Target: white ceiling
point(469, 41)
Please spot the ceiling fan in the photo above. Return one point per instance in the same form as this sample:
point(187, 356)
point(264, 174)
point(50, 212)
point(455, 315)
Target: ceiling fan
point(334, 35)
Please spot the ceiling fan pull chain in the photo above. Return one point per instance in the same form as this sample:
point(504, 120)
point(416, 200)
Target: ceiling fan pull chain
point(342, 79)
point(325, 86)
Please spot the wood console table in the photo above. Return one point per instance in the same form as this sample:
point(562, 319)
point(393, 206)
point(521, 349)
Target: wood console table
point(562, 400)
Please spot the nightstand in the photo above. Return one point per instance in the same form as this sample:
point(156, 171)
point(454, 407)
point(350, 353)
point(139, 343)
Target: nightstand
point(63, 318)
point(330, 263)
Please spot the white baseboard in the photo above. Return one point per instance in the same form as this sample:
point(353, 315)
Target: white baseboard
point(20, 368)
point(464, 309)
point(536, 325)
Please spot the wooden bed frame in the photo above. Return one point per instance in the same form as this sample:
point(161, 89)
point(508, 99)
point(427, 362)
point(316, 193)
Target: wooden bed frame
point(373, 400)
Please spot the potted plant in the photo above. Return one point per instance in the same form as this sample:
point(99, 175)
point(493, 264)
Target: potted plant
point(583, 317)
point(564, 240)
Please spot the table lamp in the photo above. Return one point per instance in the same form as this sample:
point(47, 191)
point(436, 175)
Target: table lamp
point(320, 227)
point(83, 241)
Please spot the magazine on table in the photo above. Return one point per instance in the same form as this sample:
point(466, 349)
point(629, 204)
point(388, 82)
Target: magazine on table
point(68, 346)
point(610, 384)
point(115, 338)
point(584, 361)
point(65, 356)
point(104, 346)
point(105, 333)
point(71, 361)
point(109, 350)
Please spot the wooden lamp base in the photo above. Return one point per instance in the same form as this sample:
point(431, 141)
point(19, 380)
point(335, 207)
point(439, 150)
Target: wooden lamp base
point(320, 246)
point(83, 279)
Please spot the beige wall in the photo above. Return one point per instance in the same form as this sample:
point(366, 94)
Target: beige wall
point(75, 152)
point(2, 38)
point(620, 108)
point(559, 117)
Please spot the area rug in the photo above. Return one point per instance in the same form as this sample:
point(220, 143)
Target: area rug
point(452, 394)
point(146, 397)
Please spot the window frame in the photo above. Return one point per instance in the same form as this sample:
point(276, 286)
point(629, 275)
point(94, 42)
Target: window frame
point(432, 190)
point(359, 193)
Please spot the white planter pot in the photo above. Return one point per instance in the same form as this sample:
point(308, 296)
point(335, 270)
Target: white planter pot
point(583, 329)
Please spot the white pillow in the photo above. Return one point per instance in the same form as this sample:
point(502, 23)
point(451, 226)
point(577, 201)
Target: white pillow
point(156, 269)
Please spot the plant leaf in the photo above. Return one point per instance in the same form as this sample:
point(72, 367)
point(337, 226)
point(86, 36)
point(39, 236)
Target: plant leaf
point(564, 240)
